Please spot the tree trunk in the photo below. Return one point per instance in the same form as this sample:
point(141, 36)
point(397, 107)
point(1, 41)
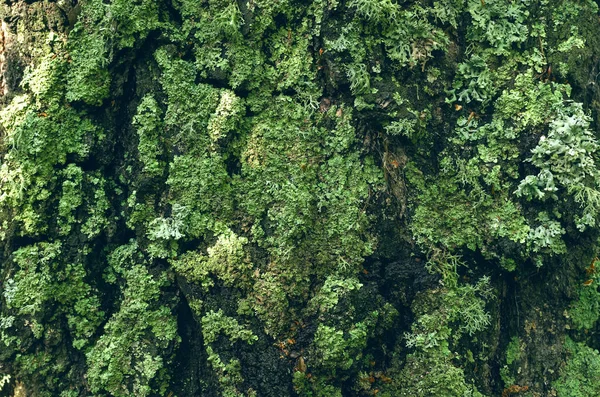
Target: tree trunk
point(299, 198)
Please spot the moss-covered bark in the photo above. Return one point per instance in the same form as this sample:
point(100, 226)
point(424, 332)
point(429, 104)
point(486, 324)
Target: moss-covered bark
point(299, 198)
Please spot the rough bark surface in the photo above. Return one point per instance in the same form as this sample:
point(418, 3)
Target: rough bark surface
point(299, 198)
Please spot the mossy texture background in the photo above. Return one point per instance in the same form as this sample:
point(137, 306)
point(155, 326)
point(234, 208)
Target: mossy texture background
point(310, 198)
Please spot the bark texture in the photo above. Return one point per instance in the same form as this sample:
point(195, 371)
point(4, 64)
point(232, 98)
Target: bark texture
point(299, 198)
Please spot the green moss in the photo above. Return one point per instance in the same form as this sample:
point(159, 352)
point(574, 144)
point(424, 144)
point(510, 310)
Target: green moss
point(579, 378)
point(585, 310)
point(101, 30)
point(337, 350)
point(130, 355)
point(513, 354)
point(150, 131)
point(229, 374)
point(443, 316)
point(513, 350)
point(258, 153)
point(226, 261)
